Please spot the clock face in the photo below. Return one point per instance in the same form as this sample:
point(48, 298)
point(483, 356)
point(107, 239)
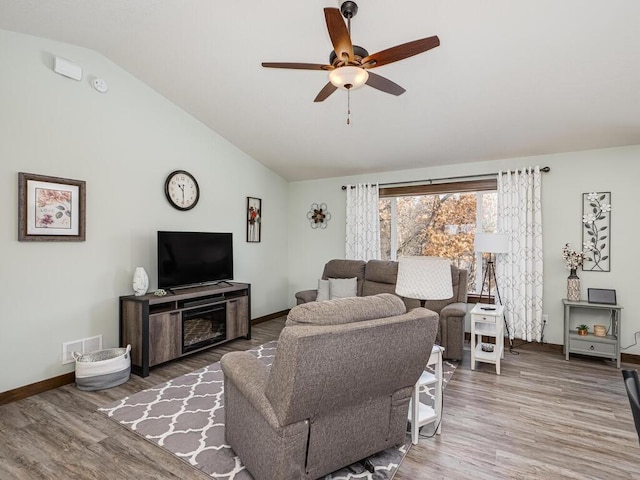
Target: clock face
point(182, 190)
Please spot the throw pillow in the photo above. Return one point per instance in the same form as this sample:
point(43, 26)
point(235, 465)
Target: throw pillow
point(343, 287)
point(323, 290)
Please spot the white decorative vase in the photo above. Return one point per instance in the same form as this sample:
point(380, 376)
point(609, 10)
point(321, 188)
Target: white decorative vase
point(140, 282)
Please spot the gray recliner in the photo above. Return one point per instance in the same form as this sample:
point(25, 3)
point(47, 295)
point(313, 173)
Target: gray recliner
point(337, 392)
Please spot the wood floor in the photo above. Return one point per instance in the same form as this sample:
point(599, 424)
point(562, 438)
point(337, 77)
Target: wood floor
point(543, 418)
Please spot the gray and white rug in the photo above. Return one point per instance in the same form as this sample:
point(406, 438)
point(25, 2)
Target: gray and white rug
point(185, 416)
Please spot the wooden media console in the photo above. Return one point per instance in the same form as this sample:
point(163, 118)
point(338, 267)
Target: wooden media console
point(160, 329)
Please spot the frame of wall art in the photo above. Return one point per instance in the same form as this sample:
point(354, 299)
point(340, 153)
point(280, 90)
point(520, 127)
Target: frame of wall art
point(50, 209)
point(254, 219)
point(596, 231)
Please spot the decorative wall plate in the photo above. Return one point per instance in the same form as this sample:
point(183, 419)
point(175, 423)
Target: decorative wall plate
point(318, 216)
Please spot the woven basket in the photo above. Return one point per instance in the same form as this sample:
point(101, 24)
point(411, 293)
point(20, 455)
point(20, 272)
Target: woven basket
point(103, 369)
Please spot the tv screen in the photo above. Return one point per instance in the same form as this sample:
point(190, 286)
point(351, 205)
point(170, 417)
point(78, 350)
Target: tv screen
point(191, 258)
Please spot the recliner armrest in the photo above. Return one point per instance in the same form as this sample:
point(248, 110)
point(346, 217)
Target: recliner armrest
point(250, 375)
point(458, 309)
point(306, 296)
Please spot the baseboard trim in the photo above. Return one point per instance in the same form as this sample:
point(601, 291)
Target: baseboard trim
point(35, 388)
point(630, 358)
point(61, 380)
point(271, 316)
point(549, 347)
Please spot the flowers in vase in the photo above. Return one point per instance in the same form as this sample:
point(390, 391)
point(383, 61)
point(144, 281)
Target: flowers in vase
point(574, 259)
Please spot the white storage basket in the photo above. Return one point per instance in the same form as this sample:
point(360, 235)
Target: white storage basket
point(102, 369)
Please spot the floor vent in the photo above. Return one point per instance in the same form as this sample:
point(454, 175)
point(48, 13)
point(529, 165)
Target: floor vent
point(82, 346)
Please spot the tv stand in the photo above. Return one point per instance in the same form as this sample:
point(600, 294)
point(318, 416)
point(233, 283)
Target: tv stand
point(154, 326)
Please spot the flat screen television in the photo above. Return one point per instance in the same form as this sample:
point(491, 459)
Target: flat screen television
point(194, 258)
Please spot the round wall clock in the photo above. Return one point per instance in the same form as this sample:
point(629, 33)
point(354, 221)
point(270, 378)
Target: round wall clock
point(182, 190)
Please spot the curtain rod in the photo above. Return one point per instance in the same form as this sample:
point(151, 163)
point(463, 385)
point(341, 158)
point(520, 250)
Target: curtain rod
point(431, 180)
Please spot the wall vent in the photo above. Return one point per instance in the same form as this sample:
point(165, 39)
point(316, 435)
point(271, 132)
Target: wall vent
point(82, 346)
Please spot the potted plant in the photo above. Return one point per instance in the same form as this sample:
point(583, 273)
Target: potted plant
point(583, 329)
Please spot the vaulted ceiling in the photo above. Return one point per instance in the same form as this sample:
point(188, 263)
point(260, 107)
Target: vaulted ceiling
point(510, 78)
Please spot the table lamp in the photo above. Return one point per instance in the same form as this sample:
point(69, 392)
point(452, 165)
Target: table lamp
point(424, 278)
point(491, 243)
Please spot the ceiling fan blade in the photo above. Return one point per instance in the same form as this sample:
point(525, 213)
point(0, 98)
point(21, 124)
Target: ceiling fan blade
point(298, 66)
point(384, 84)
point(338, 33)
point(328, 89)
point(400, 52)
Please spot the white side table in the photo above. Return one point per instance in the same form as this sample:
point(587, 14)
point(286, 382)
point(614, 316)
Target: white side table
point(488, 323)
point(419, 413)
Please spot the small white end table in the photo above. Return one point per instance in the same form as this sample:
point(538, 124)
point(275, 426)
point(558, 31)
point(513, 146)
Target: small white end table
point(486, 320)
point(419, 413)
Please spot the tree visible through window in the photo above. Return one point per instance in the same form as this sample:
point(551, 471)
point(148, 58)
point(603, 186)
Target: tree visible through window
point(439, 224)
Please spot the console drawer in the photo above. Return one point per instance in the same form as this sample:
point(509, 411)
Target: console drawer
point(588, 347)
point(478, 317)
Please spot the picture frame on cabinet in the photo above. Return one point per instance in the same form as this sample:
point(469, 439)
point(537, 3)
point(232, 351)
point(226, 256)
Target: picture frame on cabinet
point(51, 209)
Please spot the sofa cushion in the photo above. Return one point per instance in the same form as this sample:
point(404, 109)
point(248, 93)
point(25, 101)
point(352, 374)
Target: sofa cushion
point(380, 277)
point(345, 269)
point(343, 287)
point(323, 290)
point(346, 310)
point(381, 271)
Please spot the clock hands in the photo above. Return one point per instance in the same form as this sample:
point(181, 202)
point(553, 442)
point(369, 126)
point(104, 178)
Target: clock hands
point(182, 188)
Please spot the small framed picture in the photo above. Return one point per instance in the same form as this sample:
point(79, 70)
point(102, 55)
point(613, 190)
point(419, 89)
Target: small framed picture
point(254, 219)
point(50, 208)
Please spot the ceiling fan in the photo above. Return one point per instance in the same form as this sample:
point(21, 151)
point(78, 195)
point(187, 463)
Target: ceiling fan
point(349, 65)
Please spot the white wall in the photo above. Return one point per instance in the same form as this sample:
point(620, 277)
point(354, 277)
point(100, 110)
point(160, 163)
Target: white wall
point(123, 144)
point(616, 170)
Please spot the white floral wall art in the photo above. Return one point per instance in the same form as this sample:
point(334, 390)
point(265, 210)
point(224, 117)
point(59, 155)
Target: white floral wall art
point(596, 231)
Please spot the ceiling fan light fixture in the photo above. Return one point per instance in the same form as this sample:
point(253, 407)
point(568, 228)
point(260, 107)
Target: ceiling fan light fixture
point(348, 77)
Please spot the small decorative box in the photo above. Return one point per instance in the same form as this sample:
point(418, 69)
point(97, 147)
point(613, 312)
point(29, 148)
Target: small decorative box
point(600, 330)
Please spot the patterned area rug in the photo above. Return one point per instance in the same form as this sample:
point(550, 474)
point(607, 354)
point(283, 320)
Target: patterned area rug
point(185, 416)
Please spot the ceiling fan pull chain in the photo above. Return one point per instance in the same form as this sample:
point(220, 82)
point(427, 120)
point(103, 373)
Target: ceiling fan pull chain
point(348, 107)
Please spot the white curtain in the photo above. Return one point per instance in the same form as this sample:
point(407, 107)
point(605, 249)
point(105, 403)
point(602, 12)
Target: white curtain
point(363, 223)
point(520, 269)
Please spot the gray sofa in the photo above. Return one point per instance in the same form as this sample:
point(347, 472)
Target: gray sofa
point(337, 392)
point(378, 276)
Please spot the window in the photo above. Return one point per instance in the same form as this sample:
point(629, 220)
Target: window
point(438, 220)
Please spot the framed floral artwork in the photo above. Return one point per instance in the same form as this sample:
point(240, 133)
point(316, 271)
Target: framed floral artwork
point(596, 231)
point(254, 219)
point(50, 208)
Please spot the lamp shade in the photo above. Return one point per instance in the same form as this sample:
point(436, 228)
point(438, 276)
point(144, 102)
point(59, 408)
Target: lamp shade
point(424, 278)
point(491, 242)
point(348, 77)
